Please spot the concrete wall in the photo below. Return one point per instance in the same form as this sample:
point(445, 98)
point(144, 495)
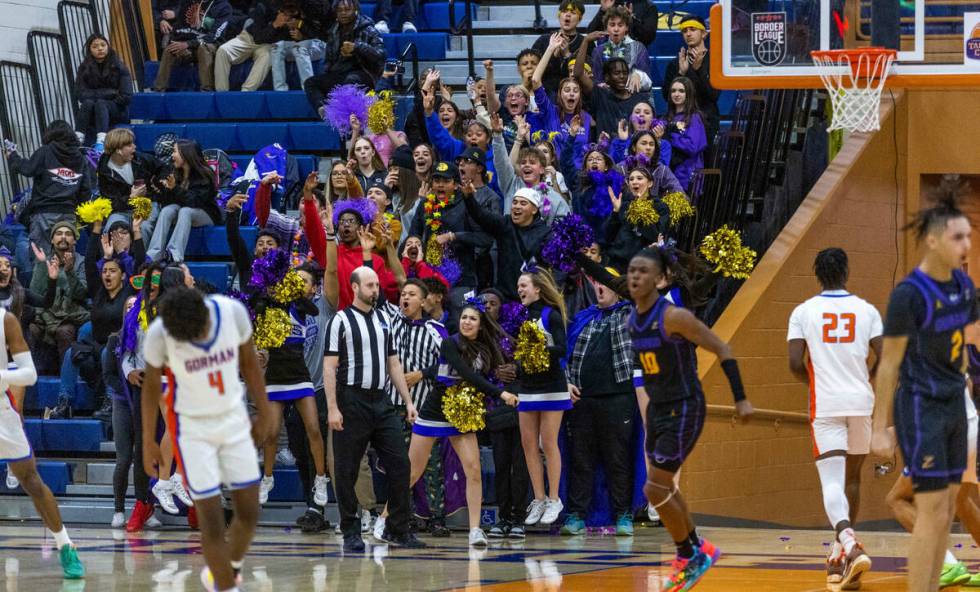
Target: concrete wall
point(764, 470)
point(19, 17)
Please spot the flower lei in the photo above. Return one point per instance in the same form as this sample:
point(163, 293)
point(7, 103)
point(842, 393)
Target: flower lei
point(433, 211)
point(542, 188)
point(296, 257)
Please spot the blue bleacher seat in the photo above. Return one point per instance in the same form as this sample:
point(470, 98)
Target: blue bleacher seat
point(312, 136)
point(241, 160)
point(436, 15)
point(55, 474)
point(182, 76)
point(214, 273)
point(45, 394)
point(64, 435)
point(431, 46)
point(146, 134)
point(241, 106)
point(305, 164)
point(214, 135)
point(254, 136)
point(212, 241)
point(667, 43)
point(726, 102)
point(190, 105)
point(289, 105)
point(148, 106)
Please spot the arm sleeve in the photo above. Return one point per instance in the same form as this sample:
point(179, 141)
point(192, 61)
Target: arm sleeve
point(506, 177)
point(450, 352)
point(138, 252)
point(237, 246)
point(316, 235)
point(488, 221)
point(28, 167)
point(154, 347)
point(24, 375)
point(93, 254)
point(263, 203)
point(125, 90)
point(447, 146)
point(557, 328)
point(702, 85)
point(566, 163)
point(598, 273)
point(905, 310)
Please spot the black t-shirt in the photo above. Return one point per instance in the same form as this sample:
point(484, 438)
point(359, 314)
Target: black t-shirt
point(932, 315)
point(607, 109)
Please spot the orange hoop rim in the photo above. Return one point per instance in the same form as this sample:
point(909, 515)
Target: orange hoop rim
point(851, 54)
point(866, 69)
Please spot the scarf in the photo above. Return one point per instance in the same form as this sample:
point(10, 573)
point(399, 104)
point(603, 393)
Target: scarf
point(585, 324)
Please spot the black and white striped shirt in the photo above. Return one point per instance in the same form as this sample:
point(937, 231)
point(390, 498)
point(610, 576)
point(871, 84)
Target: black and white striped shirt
point(362, 341)
point(417, 345)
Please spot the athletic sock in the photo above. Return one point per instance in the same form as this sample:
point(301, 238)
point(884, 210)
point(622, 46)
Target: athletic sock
point(694, 538)
point(950, 558)
point(237, 565)
point(835, 549)
point(61, 538)
point(685, 549)
point(847, 539)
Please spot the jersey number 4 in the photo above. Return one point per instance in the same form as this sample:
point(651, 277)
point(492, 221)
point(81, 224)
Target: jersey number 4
point(216, 380)
point(649, 361)
point(834, 332)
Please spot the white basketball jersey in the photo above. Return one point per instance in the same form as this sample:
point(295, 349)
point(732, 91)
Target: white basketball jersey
point(206, 372)
point(5, 402)
point(838, 328)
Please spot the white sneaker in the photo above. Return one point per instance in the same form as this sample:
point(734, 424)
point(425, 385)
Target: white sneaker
point(320, 490)
point(379, 528)
point(336, 529)
point(367, 522)
point(265, 487)
point(164, 493)
point(118, 520)
point(12, 482)
point(382, 27)
point(478, 538)
point(534, 512)
point(409, 28)
point(552, 508)
point(652, 513)
point(177, 484)
point(153, 522)
point(285, 457)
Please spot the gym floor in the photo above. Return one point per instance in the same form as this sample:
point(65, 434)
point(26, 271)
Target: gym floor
point(170, 560)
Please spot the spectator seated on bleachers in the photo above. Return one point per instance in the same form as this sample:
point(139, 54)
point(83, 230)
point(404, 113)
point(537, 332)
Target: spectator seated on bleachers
point(194, 38)
point(104, 88)
point(57, 326)
point(570, 14)
point(406, 14)
point(693, 62)
point(644, 22)
point(303, 54)
point(355, 54)
point(619, 44)
point(124, 173)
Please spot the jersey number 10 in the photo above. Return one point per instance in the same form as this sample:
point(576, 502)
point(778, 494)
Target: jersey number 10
point(831, 324)
point(649, 361)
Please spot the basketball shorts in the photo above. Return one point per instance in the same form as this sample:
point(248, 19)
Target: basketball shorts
point(972, 433)
point(849, 433)
point(673, 428)
point(215, 451)
point(932, 434)
point(13, 441)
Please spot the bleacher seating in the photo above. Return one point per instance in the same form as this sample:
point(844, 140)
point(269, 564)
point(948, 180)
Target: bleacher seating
point(64, 435)
point(45, 394)
point(55, 474)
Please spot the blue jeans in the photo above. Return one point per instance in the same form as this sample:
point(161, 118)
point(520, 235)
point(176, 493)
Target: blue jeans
point(69, 371)
point(304, 54)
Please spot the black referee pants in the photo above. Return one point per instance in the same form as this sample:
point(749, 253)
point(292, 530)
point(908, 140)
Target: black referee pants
point(369, 417)
point(601, 427)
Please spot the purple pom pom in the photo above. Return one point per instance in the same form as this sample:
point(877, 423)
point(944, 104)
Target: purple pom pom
point(343, 101)
point(364, 208)
point(569, 235)
point(244, 299)
point(601, 206)
point(268, 270)
point(512, 316)
point(449, 269)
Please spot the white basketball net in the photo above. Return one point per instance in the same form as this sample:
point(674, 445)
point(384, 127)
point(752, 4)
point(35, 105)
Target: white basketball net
point(855, 89)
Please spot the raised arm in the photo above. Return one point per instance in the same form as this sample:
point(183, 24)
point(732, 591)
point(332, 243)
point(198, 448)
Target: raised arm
point(493, 101)
point(556, 41)
point(236, 244)
point(490, 222)
point(585, 81)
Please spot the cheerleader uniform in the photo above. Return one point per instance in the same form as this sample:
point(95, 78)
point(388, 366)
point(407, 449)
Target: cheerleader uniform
point(453, 369)
point(287, 376)
point(546, 390)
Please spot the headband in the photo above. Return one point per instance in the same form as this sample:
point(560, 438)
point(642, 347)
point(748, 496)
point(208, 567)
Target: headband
point(691, 24)
point(571, 7)
point(476, 303)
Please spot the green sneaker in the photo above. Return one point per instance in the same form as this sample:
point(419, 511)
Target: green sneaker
point(624, 525)
point(573, 525)
point(973, 582)
point(71, 564)
point(953, 574)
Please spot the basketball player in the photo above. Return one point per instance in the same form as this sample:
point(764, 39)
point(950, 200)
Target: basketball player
point(15, 449)
point(836, 330)
point(671, 400)
point(203, 343)
point(921, 380)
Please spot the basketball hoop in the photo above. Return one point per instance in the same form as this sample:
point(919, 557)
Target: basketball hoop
point(854, 79)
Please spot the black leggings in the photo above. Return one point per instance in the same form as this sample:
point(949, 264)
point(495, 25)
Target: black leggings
point(127, 434)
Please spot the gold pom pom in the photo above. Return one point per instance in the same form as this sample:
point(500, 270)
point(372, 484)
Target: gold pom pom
point(381, 115)
point(641, 213)
point(142, 206)
point(433, 251)
point(289, 288)
point(723, 248)
point(463, 407)
point(272, 328)
point(679, 207)
point(95, 210)
point(532, 348)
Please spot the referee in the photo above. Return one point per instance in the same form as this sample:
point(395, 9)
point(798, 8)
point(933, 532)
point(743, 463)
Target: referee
point(359, 360)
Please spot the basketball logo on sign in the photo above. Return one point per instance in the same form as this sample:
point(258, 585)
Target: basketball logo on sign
point(769, 37)
point(973, 44)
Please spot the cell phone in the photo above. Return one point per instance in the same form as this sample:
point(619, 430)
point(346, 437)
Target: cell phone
point(392, 66)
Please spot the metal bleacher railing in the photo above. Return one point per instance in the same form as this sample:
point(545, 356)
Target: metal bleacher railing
point(51, 82)
point(19, 119)
point(464, 28)
point(77, 21)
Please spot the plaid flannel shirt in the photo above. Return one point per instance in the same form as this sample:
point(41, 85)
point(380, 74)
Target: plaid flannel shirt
point(622, 345)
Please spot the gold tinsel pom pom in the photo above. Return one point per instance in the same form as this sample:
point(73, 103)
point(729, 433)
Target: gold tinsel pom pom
point(381, 115)
point(641, 213)
point(289, 288)
point(142, 206)
point(532, 348)
point(272, 328)
point(463, 407)
point(433, 251)
point(95, 210)
point(723, 248)
point(679, 207)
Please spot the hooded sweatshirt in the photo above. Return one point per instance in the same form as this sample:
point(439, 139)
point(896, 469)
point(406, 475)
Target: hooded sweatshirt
point(60, 175)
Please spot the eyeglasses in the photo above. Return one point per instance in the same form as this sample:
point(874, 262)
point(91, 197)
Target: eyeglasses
point(347, 221)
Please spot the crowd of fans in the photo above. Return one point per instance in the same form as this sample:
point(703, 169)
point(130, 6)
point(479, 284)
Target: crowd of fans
point(452, 212)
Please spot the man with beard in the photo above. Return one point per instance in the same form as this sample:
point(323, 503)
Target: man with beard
point(58, 324)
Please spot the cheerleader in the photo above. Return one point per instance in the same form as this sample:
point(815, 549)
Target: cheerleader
point(471, 356)
point(641, 218)
point(543, 394)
